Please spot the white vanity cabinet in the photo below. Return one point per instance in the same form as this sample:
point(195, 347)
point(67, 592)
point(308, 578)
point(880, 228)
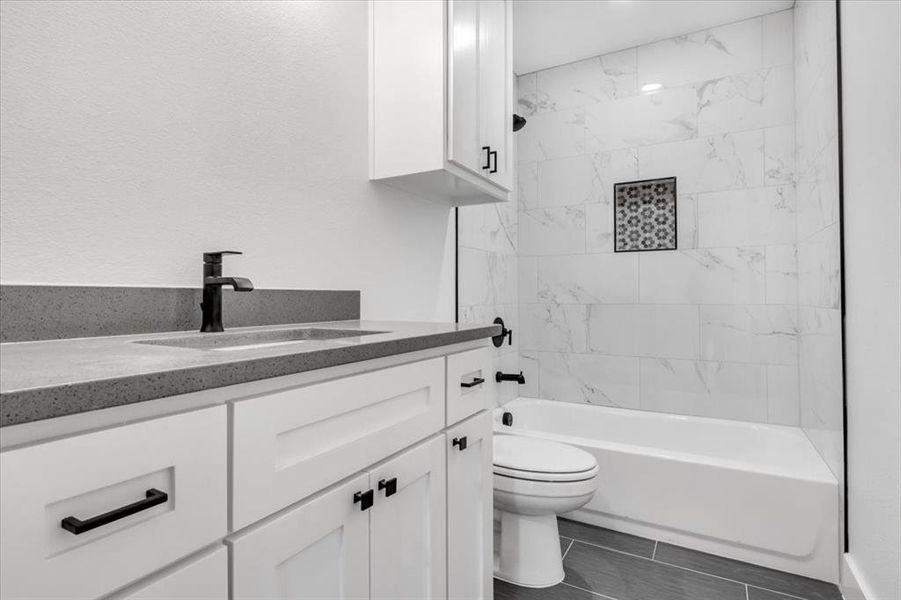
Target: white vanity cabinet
point(449, 133)
point(368, 481)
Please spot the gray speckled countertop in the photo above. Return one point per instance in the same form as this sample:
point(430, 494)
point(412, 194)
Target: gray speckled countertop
point(46, 379)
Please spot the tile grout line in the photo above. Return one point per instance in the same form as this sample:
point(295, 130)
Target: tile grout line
point(654, 553)
point(565, 552)
point(747, 593)
point(683, 568)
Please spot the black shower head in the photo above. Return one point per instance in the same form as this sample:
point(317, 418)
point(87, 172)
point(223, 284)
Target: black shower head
point(518, 122)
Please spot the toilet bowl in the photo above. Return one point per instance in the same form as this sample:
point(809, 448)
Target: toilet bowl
point(534, 481)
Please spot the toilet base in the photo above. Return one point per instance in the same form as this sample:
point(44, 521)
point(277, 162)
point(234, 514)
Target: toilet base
point(528, 551)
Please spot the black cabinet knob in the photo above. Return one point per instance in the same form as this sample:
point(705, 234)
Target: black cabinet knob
point(365, 499)
point(460, 442)
point(389, 485)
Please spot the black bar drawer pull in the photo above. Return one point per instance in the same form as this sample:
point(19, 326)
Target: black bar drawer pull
point(475, 381)
point(461, 442)
point(389, 485)
point(365, 499)
point(77, 526)
point(487, 164)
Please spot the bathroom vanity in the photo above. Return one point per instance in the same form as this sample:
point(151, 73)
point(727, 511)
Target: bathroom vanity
point(365, 476)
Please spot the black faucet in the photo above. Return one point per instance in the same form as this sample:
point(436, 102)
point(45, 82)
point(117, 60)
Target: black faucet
point(520, 379)
point(212, 289)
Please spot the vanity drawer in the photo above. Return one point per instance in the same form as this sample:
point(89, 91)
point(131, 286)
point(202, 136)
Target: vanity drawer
point(171, 472)
point(290, 444)
point(465, 394)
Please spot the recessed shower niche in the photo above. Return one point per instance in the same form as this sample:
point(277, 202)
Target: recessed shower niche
point(645, 215)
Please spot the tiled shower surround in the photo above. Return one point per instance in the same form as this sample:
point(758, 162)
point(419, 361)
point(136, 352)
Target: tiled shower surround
point(711, 329)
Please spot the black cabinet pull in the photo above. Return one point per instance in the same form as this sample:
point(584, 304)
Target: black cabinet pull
point(487, 164)
point(365, 499)
point(493, 153)
point(461, 442)
point(77, 526)
point(475, 381)
point(389, 485)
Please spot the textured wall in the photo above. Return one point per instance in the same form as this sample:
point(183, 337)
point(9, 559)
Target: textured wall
point(871, 63)
point(819, 277)
point(138, 134)
point(710, 329)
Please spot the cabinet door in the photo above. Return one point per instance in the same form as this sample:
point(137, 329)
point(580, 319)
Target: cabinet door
point(407, 527)
point(470, 493)
point(464, 147)
point(495, 89)
point(318, 550)
point(204, 578)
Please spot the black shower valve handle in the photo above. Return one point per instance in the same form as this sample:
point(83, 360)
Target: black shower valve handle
point(498, 340)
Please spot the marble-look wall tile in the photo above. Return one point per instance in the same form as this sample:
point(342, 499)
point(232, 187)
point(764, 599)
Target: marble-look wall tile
point(821, 379)
point(669, 331)
point(558, 230)
point(592, 379)
point(782, 393)
point(777, 38)
point(819, 269)
point(818, 194)
point(750, 334)
point(733, 48)
point(528, 279)
point(589, 81)
point(564, 181)
point(490, 227)
point(588, 278)
point(528, 364)
point(610, 168)
point(779, 155)
point(553, 327)
point(782, 274)
point(707, 164)
point(527, 185)
point(686, 222)
point(754, 100)
point(710, 389)
point(526, 95)
point(752, 217)
point(705, 276)
point(486, 278)
point(552, 135)
point(599, 227)
point(816, 167)
point(665, 116)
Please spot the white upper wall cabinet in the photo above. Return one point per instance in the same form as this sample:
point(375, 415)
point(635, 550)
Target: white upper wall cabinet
point(441, 98)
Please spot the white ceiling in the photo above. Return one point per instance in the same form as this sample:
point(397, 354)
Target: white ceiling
point(547, 33)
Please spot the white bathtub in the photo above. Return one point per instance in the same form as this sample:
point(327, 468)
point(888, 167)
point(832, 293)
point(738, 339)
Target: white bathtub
point(753, 492)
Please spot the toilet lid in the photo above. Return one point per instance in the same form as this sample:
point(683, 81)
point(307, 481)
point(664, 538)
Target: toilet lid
point(530, 458)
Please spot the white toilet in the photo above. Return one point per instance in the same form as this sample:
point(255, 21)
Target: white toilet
point(534, 481)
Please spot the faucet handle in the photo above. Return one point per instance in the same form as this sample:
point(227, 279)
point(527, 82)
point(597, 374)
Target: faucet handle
point(215, 258)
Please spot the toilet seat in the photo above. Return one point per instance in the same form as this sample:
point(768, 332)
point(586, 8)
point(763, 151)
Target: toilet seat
point(538, 460)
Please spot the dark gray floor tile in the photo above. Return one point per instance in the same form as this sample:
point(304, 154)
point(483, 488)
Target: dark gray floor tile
point(508, 591)
point(759, 594)
point(564, 544)
point(778, 581)
point(626, 577)
point(606, 537)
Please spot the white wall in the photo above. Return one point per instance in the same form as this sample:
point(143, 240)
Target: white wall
point(137, 135)
point(871, 61)
point(709, 329)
